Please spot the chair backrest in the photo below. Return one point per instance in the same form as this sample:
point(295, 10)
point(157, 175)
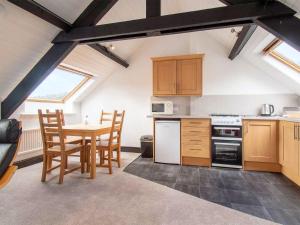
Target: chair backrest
point(106, 117)
point(62, 117)
point(51, 129)
point(113, 130)
point(116, 128)
point(119, 122)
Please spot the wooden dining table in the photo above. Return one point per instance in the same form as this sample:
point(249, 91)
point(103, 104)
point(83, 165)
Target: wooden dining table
point(89, 130)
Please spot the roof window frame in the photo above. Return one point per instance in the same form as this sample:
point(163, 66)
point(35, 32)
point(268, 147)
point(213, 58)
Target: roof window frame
point(269, 50)
point(65, 67)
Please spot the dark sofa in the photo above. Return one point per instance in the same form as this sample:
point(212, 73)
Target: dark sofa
point(10, 132)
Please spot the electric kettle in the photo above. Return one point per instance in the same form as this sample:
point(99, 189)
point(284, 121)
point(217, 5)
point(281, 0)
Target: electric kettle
point(267, 110)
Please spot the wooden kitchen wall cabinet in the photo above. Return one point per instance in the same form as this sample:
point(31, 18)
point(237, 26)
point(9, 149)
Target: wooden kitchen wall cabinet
point(260, 148)
point(177, 75)
point(290, 138)
point(195, 142)
point(164, 77)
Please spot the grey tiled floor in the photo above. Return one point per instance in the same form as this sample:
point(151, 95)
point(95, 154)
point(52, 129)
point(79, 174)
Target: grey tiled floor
point(267, 195)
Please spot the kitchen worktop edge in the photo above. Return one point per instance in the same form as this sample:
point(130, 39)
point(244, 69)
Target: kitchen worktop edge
point(297, 120)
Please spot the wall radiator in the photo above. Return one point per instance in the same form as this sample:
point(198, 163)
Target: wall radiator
point(31, 141)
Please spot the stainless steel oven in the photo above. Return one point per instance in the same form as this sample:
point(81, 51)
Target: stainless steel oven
point(227, 153)
point(227, 141)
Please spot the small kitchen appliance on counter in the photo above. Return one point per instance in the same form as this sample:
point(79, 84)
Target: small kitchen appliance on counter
point(226, 140)
point(267, 110)
point(162, 108)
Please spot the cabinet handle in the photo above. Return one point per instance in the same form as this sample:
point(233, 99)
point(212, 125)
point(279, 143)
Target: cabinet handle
point(296, 132)
point(195, 149)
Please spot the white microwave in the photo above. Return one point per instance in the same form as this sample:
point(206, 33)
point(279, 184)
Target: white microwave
point(162, 107)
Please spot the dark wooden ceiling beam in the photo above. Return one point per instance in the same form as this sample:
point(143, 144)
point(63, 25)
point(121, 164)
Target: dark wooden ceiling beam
point(235, 2)
point(50, 17)
point(242, 40)
point(55, 55)
point(94, 13)
point(284, 28)
point(43, 13)
point(153, 8)
point(246, 32)
point(228, 16)
point(104, 51)
point(37, 74)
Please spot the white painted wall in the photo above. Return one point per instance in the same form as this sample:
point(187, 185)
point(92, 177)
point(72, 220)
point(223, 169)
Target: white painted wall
point(222, 76)
point(241, 104)
point(27, 113)
point(131, 89)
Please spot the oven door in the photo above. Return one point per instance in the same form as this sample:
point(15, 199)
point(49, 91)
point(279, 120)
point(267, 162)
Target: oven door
point(227, 131)
point(227, 153)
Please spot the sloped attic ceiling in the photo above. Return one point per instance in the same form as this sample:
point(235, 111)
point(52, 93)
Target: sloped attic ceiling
point(19, 55)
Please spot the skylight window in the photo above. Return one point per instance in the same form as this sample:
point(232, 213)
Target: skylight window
point(284, 53)
point(59, 86)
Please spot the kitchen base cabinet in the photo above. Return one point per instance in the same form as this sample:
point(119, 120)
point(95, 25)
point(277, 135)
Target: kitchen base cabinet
point(196, 161)
point(195, 142)
point(260, 145)
point(290, 139)
point(262, 166)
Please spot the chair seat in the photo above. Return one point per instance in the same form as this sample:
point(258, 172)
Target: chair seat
point(104, 144)
point(68, 140)
point(69, 148)
point(88, 139)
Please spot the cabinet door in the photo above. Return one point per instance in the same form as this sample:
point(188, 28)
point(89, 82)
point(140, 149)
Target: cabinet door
point(281, 142)
point(164, 77)
point(291, 150)
point(297, 147)
point(189, 77)
point(260, 141)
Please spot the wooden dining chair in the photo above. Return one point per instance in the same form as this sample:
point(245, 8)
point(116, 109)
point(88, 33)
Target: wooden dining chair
point(107, 147)
point(70, 139)
point(62, 117)
point(106, 117)
point(53, 148)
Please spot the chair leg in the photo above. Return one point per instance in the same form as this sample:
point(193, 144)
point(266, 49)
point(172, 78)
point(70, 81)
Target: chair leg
point(49, 161)
point(119, 156)
point(109, 161)
point(88, 160)
point(62, 169)
point(66, 162)
point(82, 161)
point(45, 165)
point(101, 157)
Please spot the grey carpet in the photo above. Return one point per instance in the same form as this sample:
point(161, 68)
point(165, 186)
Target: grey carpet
point(120, 198)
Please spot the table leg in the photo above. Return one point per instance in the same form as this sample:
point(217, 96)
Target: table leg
point(93, 157)
point(83, 155)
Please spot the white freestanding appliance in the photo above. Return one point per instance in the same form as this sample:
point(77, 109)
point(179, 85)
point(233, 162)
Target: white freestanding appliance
point(167, 141)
